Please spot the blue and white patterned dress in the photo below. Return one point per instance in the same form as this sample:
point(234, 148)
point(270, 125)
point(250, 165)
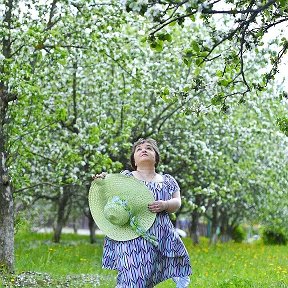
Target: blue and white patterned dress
point(139, 263)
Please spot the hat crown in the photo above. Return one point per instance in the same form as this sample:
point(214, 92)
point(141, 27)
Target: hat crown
point(116, 214)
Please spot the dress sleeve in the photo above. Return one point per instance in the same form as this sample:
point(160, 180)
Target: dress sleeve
point(172, 184)
point(126, 172)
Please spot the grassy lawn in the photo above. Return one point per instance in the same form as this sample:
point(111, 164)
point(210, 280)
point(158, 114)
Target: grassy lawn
point(77, 263)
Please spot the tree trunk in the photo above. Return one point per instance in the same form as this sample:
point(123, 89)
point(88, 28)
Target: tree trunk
point(63, 213)
point(224, 228)
point(6, 219)
point(87, 213)
point(6, 199)
point(92, 228)
point(214, 225)
point(194, 229)
point(6, 193)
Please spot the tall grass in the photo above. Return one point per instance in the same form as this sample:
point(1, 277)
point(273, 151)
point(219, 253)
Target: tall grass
point(77, 263)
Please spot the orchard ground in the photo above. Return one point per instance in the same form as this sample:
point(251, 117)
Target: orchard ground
point(77, 263)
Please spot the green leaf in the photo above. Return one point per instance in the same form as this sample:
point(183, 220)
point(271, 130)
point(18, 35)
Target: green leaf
point(223, 82)
point(283, 124)
point(197, 71)
point(166, 91)
point(188, 53)
point(143, 10)
point(203, 53)
point(62, 114)
point(195, 46)
point(186, 89)
point(199, 62)
point(217, 99)
point(192, 17)
point(219, 73)
point(283, 3)
point(187, 61)
point(172, 23)
point(165, 37)
point(168, 37)
point(157, 46)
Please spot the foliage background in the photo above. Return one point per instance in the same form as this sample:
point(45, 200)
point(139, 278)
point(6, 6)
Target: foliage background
point(83, 80)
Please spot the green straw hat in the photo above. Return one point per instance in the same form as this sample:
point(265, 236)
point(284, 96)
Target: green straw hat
point(119, 207)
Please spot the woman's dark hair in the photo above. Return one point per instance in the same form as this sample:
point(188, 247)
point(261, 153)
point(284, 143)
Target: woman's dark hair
point(140, 141)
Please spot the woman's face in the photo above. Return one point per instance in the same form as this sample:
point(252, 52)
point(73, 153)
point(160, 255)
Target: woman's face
point(144, 152)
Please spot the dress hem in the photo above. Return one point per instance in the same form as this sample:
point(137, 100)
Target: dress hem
point(164, 279)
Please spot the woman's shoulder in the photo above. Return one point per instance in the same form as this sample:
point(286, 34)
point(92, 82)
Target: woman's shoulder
point(126, 172)
point(168, 177)
point(171, 182)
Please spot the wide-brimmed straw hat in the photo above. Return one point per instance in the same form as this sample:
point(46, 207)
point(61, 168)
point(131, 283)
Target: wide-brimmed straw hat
point(119, 206)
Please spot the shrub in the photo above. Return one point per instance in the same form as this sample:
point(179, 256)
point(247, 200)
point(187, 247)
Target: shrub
point(22, 225)
point(239, 234)
point(274, 236)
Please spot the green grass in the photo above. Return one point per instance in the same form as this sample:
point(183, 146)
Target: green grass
point(239, 265)
point(77, 263)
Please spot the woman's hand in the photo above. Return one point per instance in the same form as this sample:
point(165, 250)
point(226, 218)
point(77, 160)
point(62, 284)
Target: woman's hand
point(158, 206)
point(100, 176)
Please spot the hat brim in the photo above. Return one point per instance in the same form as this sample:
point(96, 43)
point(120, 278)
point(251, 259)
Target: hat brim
point(127, 188)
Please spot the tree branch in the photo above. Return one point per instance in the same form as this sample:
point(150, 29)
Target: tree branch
point(37, 185)
point(19, 137)
point(50, 23)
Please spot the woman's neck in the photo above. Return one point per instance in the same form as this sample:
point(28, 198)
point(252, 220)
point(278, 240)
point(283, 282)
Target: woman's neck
point(145, 173)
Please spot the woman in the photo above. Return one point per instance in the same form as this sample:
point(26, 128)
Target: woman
point(139, 263)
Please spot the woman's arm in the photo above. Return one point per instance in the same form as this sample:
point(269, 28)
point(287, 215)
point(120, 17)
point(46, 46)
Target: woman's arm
point(171, 205)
